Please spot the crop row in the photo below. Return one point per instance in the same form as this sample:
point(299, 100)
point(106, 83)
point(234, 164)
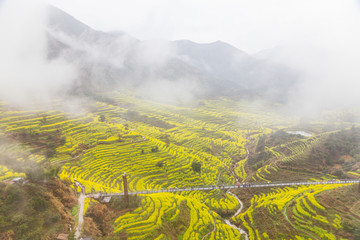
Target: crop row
point(6, 173)
point(159, 210)
point(293, 151)
point(306, 213)
point(100, 146)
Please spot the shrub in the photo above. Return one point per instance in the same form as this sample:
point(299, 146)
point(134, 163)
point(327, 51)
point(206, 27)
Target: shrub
point(102, 118)
point(196, 166)
point(160, 164)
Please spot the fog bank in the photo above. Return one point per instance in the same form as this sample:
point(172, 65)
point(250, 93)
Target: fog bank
point(26, 73)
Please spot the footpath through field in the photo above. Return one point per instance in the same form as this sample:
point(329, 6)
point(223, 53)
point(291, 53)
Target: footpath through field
point(80, 216)
point(227, 187)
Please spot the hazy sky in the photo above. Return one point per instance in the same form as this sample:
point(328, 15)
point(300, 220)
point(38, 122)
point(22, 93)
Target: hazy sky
point(250, 25)
point(25, 72)
point(325, 33)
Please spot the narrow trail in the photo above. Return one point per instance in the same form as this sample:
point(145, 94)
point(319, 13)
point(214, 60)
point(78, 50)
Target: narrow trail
point(80, 215)
point(247, 153)
point(212, 230)
point(227, 221)
point(218, 177)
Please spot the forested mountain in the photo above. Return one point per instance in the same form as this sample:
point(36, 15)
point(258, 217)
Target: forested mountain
point(108, 59)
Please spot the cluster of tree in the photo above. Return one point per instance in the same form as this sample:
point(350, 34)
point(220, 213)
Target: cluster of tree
point(337, 145)
point(350, 226)
point(277, 138)
point(102, 118)
point(40, 173)
point(258, 158)
point(34, 171)
point(155, 149)
point(345, 142)
point(340, 148)
point(160, 164)
point(28, 211)
point(42, 142)
point(196, 166)
point(165, 138)
point(99, 218)
point(136, 116)
point(260, 146)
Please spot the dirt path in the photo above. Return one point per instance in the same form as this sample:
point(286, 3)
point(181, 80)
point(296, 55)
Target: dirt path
point(218, 177)
point(80, 215)
point(212, 230)
point(227, 221)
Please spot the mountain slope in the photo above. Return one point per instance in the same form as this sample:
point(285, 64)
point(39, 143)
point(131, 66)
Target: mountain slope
point(109, 59)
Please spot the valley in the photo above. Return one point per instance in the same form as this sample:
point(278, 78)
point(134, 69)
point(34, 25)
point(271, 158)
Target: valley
point(212, 142)
point(181, 120)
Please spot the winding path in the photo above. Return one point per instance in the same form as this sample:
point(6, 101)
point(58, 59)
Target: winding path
point(80, 215)
point(227, 221)
point(212, 230)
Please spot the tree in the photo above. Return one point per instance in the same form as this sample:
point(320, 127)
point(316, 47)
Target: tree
point(160, 164)
point(155, 149)
point(102, 118)
point(339, 173)
point(62, 141)
point(261, 144)
point(50, 150)
point(196, 166)
point(119, 138)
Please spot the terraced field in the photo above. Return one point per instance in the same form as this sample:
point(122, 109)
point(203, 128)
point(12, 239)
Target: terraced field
point(295, 151)
point(157, 146)
point(298, 206)
point(162, 211)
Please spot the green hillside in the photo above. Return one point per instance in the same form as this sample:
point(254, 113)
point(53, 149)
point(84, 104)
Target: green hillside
point(158, 145)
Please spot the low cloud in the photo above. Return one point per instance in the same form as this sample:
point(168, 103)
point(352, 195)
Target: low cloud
point(181, 91)
point(330, 78)
point(26, 73)
point(327, 59)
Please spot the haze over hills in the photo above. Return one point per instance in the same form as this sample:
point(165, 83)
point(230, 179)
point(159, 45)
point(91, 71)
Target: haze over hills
point(88, 59)
point(174, 116)
point(107, 59)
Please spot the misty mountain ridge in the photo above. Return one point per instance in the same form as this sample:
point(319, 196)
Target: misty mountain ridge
point(115, 59)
